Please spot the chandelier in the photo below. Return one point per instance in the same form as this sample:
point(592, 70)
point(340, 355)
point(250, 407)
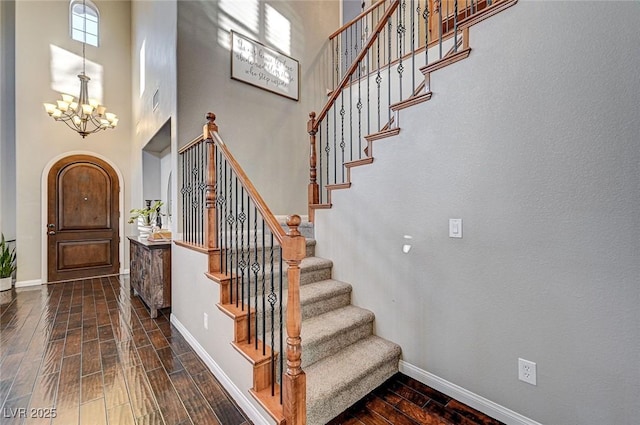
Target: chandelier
point(83, 115)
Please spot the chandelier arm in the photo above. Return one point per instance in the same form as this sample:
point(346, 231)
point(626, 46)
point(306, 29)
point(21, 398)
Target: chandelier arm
point(72, 126)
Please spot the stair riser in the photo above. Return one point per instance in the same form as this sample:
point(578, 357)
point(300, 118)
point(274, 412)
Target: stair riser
point(321, 413)
point(312, 351)
point(325, 305)
point(307, 276)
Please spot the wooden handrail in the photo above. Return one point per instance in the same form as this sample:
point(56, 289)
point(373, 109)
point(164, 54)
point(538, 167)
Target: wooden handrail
point(356, 19)
point(191, 144)
point(356, 61)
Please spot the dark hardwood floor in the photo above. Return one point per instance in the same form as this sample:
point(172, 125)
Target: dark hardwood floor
point(404, 401)
point(88, 352)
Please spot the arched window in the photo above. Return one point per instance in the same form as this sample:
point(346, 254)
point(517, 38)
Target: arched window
point(84, 21)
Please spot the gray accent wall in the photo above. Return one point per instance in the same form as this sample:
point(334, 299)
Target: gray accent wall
point(266, 132)
point(533, 142)
point(7, 120)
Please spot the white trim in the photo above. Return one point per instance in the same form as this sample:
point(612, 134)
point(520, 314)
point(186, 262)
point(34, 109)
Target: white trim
point(124, 271)
point(465, 396)
point(25, 283)
point(43, 215)
point(243, 401)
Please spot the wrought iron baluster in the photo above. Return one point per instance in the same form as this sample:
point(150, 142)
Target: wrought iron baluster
point(245, 219)
point(413, 45)
point(455, 25)
point(239, 289)
point(229, 220)
point(219, 201)
point(281, 351)
point(367, 73)
point(401, 34)
point(439, 6)
point(337, 61)
point(378, 78)
point(272, 301)
point(242, 217)
point(390, 26)
point(255, 268)
point(359, 106)
point(342, 143)
point(350, 119)
point(264, 291)
point(345, 65)
point(319, 148)
point(425, 14)
point(335, 147)
point(327, 148)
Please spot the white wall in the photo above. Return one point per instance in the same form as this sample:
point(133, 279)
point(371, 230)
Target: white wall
point(39, 139)
point(266, 132)
point(533, 142)
point(188, 279)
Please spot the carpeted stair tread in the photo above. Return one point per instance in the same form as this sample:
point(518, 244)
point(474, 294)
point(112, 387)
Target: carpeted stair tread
point(314, 263)
point(320, 297)
point(338, 381)
point(316, 298)
point(328, 333)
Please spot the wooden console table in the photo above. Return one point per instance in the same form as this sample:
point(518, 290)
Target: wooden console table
point(150, 272)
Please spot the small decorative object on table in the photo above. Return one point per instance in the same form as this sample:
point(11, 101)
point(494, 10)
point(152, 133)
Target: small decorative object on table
point(147, 217)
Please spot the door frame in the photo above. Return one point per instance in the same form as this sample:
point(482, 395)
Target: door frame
point(44, 204)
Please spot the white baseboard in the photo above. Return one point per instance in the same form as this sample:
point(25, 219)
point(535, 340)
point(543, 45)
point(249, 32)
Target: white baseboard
point(243, 401)
point(25, 283)
point(480, 403)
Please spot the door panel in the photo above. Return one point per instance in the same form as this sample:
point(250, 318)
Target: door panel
point(84, 198)
point(83, 215)
point(82, 254)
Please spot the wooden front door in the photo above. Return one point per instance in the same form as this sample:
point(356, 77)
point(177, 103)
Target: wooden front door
point(82, 219)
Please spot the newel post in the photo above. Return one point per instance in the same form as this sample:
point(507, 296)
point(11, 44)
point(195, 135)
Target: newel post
point(294, 381)
point(313, 190)
point(211, 227)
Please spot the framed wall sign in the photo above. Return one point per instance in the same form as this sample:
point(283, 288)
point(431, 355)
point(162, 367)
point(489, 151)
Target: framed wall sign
point(263, 67)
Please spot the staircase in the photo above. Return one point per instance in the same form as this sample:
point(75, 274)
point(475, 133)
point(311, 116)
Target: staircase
point(342, 358)
point(313, 353)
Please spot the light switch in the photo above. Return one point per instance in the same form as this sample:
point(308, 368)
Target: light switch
point(455, 227)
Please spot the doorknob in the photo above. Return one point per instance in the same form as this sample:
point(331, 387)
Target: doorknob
point(51, 226)
point(51, 233)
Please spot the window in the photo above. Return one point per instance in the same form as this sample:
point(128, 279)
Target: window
point(84, 23)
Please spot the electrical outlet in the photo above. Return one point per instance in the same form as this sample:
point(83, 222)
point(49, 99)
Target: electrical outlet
point(206, 321)
point(527, 371)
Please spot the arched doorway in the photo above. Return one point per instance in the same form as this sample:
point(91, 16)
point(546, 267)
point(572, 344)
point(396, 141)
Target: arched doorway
point(82, 219)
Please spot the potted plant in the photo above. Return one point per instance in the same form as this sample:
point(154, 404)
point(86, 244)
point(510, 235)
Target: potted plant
point(7, 264)
point(146, 217)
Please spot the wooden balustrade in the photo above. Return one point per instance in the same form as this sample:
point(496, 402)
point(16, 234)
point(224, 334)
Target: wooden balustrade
point(293, 248)
point(384, 77)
